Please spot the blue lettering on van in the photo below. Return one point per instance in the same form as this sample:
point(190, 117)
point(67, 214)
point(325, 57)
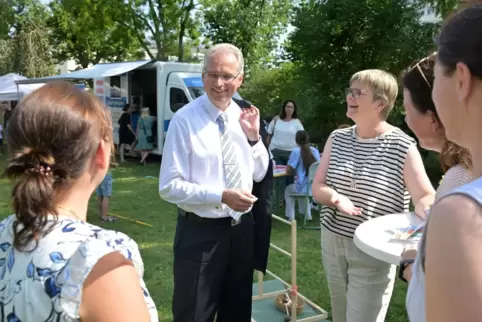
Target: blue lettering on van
point(116, 102)
point(166, 124)
point(193, 81)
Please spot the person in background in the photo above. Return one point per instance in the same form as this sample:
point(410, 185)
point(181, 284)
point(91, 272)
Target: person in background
point(1, 140)
point(301, 158)
point(451, 255)
point(366, 171)
point(144, 132)
point(7, 114)
point(135, 116)
point(61, 268)
point(266, 121)
point(216, 153)
point(127, 135)
point(423, 120)
point(282, 131)
point(104, 192)
point(281, 135)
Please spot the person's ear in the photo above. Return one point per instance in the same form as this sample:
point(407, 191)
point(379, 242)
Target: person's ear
point(380, 107)
point(435, 124)
point(463, 81)
point(102, 155)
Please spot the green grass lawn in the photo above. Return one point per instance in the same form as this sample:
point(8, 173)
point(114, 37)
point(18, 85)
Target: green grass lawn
point(135, 196)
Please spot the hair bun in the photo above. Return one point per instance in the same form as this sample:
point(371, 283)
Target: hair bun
point(29, 161)
point(35, 157)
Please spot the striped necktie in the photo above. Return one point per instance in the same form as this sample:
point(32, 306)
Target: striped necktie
point(232, 174)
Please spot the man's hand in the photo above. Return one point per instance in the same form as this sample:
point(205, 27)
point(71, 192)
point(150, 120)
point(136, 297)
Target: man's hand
point(238, 199)
point(250, 123)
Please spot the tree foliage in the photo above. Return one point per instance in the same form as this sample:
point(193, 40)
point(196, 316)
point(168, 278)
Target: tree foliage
point(443, 7)
point(171, 26)
point(7, 18)
point(25, 48)
point(87, 32)
point(354, 35)
point(254, 26)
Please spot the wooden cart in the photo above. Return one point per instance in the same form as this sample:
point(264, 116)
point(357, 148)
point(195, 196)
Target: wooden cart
point(264, 309)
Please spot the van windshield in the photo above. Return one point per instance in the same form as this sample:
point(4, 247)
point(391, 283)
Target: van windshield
point(199, 91)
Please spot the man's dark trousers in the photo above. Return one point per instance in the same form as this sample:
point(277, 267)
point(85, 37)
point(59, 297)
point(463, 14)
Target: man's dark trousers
point(213, 269)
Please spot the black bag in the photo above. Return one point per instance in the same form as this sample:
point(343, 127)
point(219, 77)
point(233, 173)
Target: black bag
point(149, 138)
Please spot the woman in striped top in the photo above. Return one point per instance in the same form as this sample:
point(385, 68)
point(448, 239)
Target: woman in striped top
point(366, 171)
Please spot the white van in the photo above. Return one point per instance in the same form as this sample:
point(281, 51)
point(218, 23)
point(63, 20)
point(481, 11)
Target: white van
point(164, 87)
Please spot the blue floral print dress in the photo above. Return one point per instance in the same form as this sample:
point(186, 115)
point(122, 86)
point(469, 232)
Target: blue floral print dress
point(46, 284)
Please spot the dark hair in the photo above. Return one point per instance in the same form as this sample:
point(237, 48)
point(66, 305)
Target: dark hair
point(343, 126)
point(126, 107)
point(52, 135)
point(268, 119)
point(460, 40)
point(303, 140)
point(282, 114)
point(418, 80)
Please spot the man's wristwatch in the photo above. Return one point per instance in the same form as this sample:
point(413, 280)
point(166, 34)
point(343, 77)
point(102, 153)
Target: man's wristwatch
point(403, 265)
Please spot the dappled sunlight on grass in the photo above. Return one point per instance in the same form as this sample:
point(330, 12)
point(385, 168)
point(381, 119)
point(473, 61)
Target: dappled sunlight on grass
point(144, 246)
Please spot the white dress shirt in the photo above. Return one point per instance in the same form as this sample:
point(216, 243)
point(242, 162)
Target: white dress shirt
point(192, 171)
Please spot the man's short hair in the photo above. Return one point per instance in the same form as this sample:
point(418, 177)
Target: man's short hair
point(226, 48)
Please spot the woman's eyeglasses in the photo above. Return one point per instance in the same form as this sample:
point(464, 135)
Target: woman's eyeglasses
point(354, 92)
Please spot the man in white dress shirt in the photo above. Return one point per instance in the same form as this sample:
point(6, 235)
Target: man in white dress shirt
point(212, 154)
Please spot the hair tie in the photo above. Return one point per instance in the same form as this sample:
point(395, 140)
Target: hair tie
point(40, 169)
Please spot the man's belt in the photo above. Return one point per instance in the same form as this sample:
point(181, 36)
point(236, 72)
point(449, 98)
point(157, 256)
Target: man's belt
point(223, 220)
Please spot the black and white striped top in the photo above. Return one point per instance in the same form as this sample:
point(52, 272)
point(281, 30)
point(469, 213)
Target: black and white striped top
point(376, 165)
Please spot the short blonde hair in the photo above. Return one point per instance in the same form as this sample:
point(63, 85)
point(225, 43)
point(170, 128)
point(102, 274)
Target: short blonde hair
point(383, 85)
point(225, 48)
point(145, 111)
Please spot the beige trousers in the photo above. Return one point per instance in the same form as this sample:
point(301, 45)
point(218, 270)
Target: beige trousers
point(360, 285)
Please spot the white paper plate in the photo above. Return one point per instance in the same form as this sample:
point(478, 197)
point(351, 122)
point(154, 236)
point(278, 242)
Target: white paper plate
point(375, 237)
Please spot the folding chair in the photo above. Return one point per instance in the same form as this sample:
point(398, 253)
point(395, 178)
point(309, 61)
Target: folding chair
point(307, 196)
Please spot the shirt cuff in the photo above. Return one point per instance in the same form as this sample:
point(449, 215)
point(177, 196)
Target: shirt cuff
point(256, 148)
point(214, 195)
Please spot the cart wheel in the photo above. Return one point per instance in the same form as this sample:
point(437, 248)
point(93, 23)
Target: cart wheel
point(287, 319)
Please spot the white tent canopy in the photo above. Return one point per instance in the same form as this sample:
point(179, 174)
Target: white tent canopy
point(9, 90)
point(97, 71)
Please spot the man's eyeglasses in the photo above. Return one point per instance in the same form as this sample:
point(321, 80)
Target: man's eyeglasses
point(224, 78)
point(354, 92)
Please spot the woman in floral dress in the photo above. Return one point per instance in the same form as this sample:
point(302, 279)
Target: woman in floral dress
point(54, 266)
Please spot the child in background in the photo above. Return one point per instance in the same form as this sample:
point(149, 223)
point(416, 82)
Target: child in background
point(301, 158)
point(104, 192)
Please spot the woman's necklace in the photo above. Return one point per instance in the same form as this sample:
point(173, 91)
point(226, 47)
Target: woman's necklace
point(357, 166)
point(70, 211)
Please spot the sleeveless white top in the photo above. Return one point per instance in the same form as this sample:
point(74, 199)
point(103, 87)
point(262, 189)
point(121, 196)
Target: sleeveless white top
point(415, 301)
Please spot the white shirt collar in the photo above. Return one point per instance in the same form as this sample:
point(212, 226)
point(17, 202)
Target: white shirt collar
point(214, 112)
